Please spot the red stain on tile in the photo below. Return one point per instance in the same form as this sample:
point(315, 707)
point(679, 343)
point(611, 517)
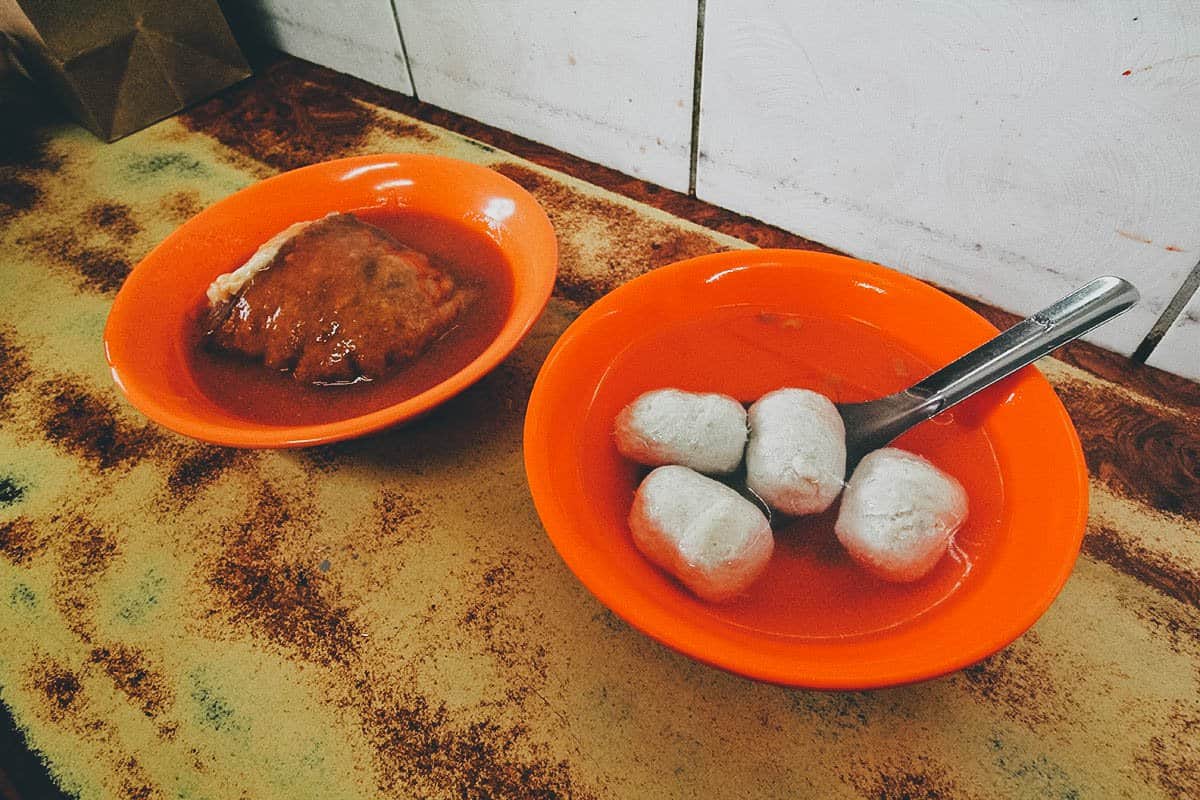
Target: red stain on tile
point(1135, 237)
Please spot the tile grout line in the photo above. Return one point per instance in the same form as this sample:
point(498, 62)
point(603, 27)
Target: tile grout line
point(1168, 316)
point(404, 50)
point(697, 72)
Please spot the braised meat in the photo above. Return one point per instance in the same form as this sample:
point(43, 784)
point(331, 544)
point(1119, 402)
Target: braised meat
point(334, 301)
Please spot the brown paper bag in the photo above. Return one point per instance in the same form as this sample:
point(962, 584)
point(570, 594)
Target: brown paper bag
point(119, 65)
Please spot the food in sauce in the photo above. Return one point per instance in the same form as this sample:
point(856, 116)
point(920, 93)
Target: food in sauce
point(899, 513)
point(796, 455)
point(244, 388)
point(333, 301)
point(706, 432)
point(712, 539)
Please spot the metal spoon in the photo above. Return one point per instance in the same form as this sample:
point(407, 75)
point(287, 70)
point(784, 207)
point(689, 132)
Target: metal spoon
point(873, 424)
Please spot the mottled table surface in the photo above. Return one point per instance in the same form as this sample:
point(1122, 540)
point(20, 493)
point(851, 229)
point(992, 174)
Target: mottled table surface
point(386, 617)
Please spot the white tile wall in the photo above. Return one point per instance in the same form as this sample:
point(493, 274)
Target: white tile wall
point(1179, 349)
point(995, 148)
point(1010, 150)
point(358, 37)
point(611, 82)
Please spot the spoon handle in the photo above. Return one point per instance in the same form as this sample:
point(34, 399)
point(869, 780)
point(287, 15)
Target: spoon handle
point(1026, 342)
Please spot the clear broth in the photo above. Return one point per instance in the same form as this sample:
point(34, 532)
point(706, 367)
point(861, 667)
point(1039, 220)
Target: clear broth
point(811, 589)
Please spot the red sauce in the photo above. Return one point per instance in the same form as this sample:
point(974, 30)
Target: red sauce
point(811, 588)
point(247, 389)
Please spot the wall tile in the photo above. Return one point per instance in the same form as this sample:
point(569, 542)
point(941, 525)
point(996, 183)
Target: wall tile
point(1010, 150)
point(611, 82)
point(358, 37)
point(1179, 349)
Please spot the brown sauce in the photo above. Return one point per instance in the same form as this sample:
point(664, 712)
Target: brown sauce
point(249, 390)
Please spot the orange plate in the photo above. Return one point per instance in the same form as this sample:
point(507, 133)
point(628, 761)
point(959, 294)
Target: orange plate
point(142, 338)
point(746, 322)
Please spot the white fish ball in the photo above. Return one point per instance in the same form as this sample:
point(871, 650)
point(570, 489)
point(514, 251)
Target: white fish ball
point(796, 457)
point(706, 432)
point(712, 539)
point(899, 513)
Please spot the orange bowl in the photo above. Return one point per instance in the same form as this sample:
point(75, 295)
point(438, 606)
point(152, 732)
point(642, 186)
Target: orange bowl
point(144, 335)
point(746, 322)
